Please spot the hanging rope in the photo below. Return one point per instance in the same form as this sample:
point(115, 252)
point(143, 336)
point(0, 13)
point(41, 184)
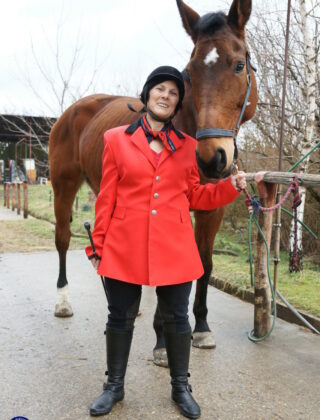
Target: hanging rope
point(254, 203)
point(293, 187)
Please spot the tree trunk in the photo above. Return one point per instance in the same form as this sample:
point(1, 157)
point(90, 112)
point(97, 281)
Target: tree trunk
point(311, 107)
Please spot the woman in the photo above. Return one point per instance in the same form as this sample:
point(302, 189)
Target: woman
point(143, 233)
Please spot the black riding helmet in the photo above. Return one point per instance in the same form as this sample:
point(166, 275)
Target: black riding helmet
point(161, 74)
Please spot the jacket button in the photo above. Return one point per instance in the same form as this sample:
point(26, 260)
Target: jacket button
point(155, 195)
point(158, 178)
point(154, 212)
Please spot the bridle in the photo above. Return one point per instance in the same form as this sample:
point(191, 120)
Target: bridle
point(203, 133)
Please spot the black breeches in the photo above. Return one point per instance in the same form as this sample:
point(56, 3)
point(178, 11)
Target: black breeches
point(124, 300)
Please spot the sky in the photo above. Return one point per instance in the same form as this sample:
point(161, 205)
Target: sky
point(119, 42)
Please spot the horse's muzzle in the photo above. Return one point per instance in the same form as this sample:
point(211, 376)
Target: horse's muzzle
point(216, 167)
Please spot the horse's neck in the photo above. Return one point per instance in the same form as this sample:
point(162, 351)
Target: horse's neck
point(186, 119)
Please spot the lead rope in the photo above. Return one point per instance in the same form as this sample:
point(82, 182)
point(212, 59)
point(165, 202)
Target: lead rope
point(255, 204)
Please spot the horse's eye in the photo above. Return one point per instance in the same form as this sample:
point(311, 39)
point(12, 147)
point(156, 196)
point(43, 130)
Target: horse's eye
point(239, 66)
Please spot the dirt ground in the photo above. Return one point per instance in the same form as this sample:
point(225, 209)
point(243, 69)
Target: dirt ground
point(28, 235)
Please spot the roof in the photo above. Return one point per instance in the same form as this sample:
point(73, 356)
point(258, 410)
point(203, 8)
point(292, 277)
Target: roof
point(14, 128)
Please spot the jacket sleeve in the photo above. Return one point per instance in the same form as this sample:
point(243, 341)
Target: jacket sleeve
point(209, 196)
point(106, 200)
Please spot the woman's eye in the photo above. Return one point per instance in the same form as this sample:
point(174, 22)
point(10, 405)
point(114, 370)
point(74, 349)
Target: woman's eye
point(238, 67)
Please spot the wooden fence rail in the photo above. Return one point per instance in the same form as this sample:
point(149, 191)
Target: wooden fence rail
point(306, 180)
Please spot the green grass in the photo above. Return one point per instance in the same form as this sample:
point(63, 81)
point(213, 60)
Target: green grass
point(41, 206)
point(300, 289)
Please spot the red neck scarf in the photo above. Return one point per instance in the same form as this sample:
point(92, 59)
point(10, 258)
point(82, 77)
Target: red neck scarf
point(168, 134)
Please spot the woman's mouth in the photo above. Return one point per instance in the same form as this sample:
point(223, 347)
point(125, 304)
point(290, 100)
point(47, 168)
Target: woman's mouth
point(163, 105)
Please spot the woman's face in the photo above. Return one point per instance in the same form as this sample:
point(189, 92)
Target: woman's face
point(163, 99)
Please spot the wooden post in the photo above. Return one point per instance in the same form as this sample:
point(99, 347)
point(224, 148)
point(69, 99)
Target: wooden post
point(4, 193)
point(25, 199)
point(19, 198)
point(262, 300)
point(13, 201)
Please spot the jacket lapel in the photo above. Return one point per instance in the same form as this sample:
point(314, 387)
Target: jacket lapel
point(164, 155)
point(139, 139)
point(167, 153)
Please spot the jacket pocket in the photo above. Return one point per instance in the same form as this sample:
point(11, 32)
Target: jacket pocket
point(119, 212)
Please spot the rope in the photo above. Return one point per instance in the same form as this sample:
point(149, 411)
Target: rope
point(254, 204)
point(294, 188)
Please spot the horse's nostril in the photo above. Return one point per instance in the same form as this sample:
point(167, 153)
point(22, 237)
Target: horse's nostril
point(220, 158)
point(216, 166)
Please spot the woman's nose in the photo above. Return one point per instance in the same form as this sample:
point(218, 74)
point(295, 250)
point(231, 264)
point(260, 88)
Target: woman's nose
point(165, 94)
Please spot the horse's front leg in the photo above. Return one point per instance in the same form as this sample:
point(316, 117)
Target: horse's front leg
point(159, 351)
point(207, 224)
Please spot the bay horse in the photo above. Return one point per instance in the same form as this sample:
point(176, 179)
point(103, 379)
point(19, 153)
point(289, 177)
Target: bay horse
point(216, 85)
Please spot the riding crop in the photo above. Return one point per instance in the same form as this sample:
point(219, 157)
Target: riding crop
point(87, 227)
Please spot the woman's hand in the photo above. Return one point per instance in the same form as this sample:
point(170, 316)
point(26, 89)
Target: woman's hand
point(95, 262)
point(239, 180)
point(259, 176)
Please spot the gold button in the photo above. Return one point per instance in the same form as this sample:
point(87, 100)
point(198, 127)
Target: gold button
point(158, 178)
point(155, 195)
point(154, 212)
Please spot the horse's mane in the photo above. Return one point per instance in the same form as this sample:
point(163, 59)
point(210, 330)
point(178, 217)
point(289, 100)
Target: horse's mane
point(211, 22)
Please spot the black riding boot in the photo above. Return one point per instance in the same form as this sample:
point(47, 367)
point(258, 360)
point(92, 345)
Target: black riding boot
point(118, 348)
point(178, 351)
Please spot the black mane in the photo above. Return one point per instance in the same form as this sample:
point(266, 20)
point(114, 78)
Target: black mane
point(211, 22)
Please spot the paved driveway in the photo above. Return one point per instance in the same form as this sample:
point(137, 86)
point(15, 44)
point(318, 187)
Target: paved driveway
point(53, 368)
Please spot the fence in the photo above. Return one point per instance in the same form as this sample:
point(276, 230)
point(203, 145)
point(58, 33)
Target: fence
point(12, 194)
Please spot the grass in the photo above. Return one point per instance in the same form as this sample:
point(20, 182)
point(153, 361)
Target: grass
point(30, 235)
point(301, 289)
point(41, 206)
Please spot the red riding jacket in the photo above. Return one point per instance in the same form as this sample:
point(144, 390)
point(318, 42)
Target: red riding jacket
point(143, 231)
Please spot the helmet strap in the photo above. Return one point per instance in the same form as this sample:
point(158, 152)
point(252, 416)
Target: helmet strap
point(155, 117)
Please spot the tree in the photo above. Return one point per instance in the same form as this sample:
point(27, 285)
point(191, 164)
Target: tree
point(309, 54)
point(266, 39)
point(63, 87)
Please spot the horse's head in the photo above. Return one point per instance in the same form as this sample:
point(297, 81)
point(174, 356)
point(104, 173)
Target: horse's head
point(219, 73)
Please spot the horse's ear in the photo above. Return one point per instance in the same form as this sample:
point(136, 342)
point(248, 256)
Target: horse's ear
point(189, 19)
point(239, 14)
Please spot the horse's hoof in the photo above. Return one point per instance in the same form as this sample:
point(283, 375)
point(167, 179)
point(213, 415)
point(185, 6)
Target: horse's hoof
point(160, 357)
point(63, 310)
point(203, 340)
point(139, 312)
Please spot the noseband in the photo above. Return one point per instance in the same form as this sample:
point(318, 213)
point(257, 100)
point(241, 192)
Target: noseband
point(203, 133)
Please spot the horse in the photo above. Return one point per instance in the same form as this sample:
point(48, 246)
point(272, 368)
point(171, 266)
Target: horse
point(220, 94)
